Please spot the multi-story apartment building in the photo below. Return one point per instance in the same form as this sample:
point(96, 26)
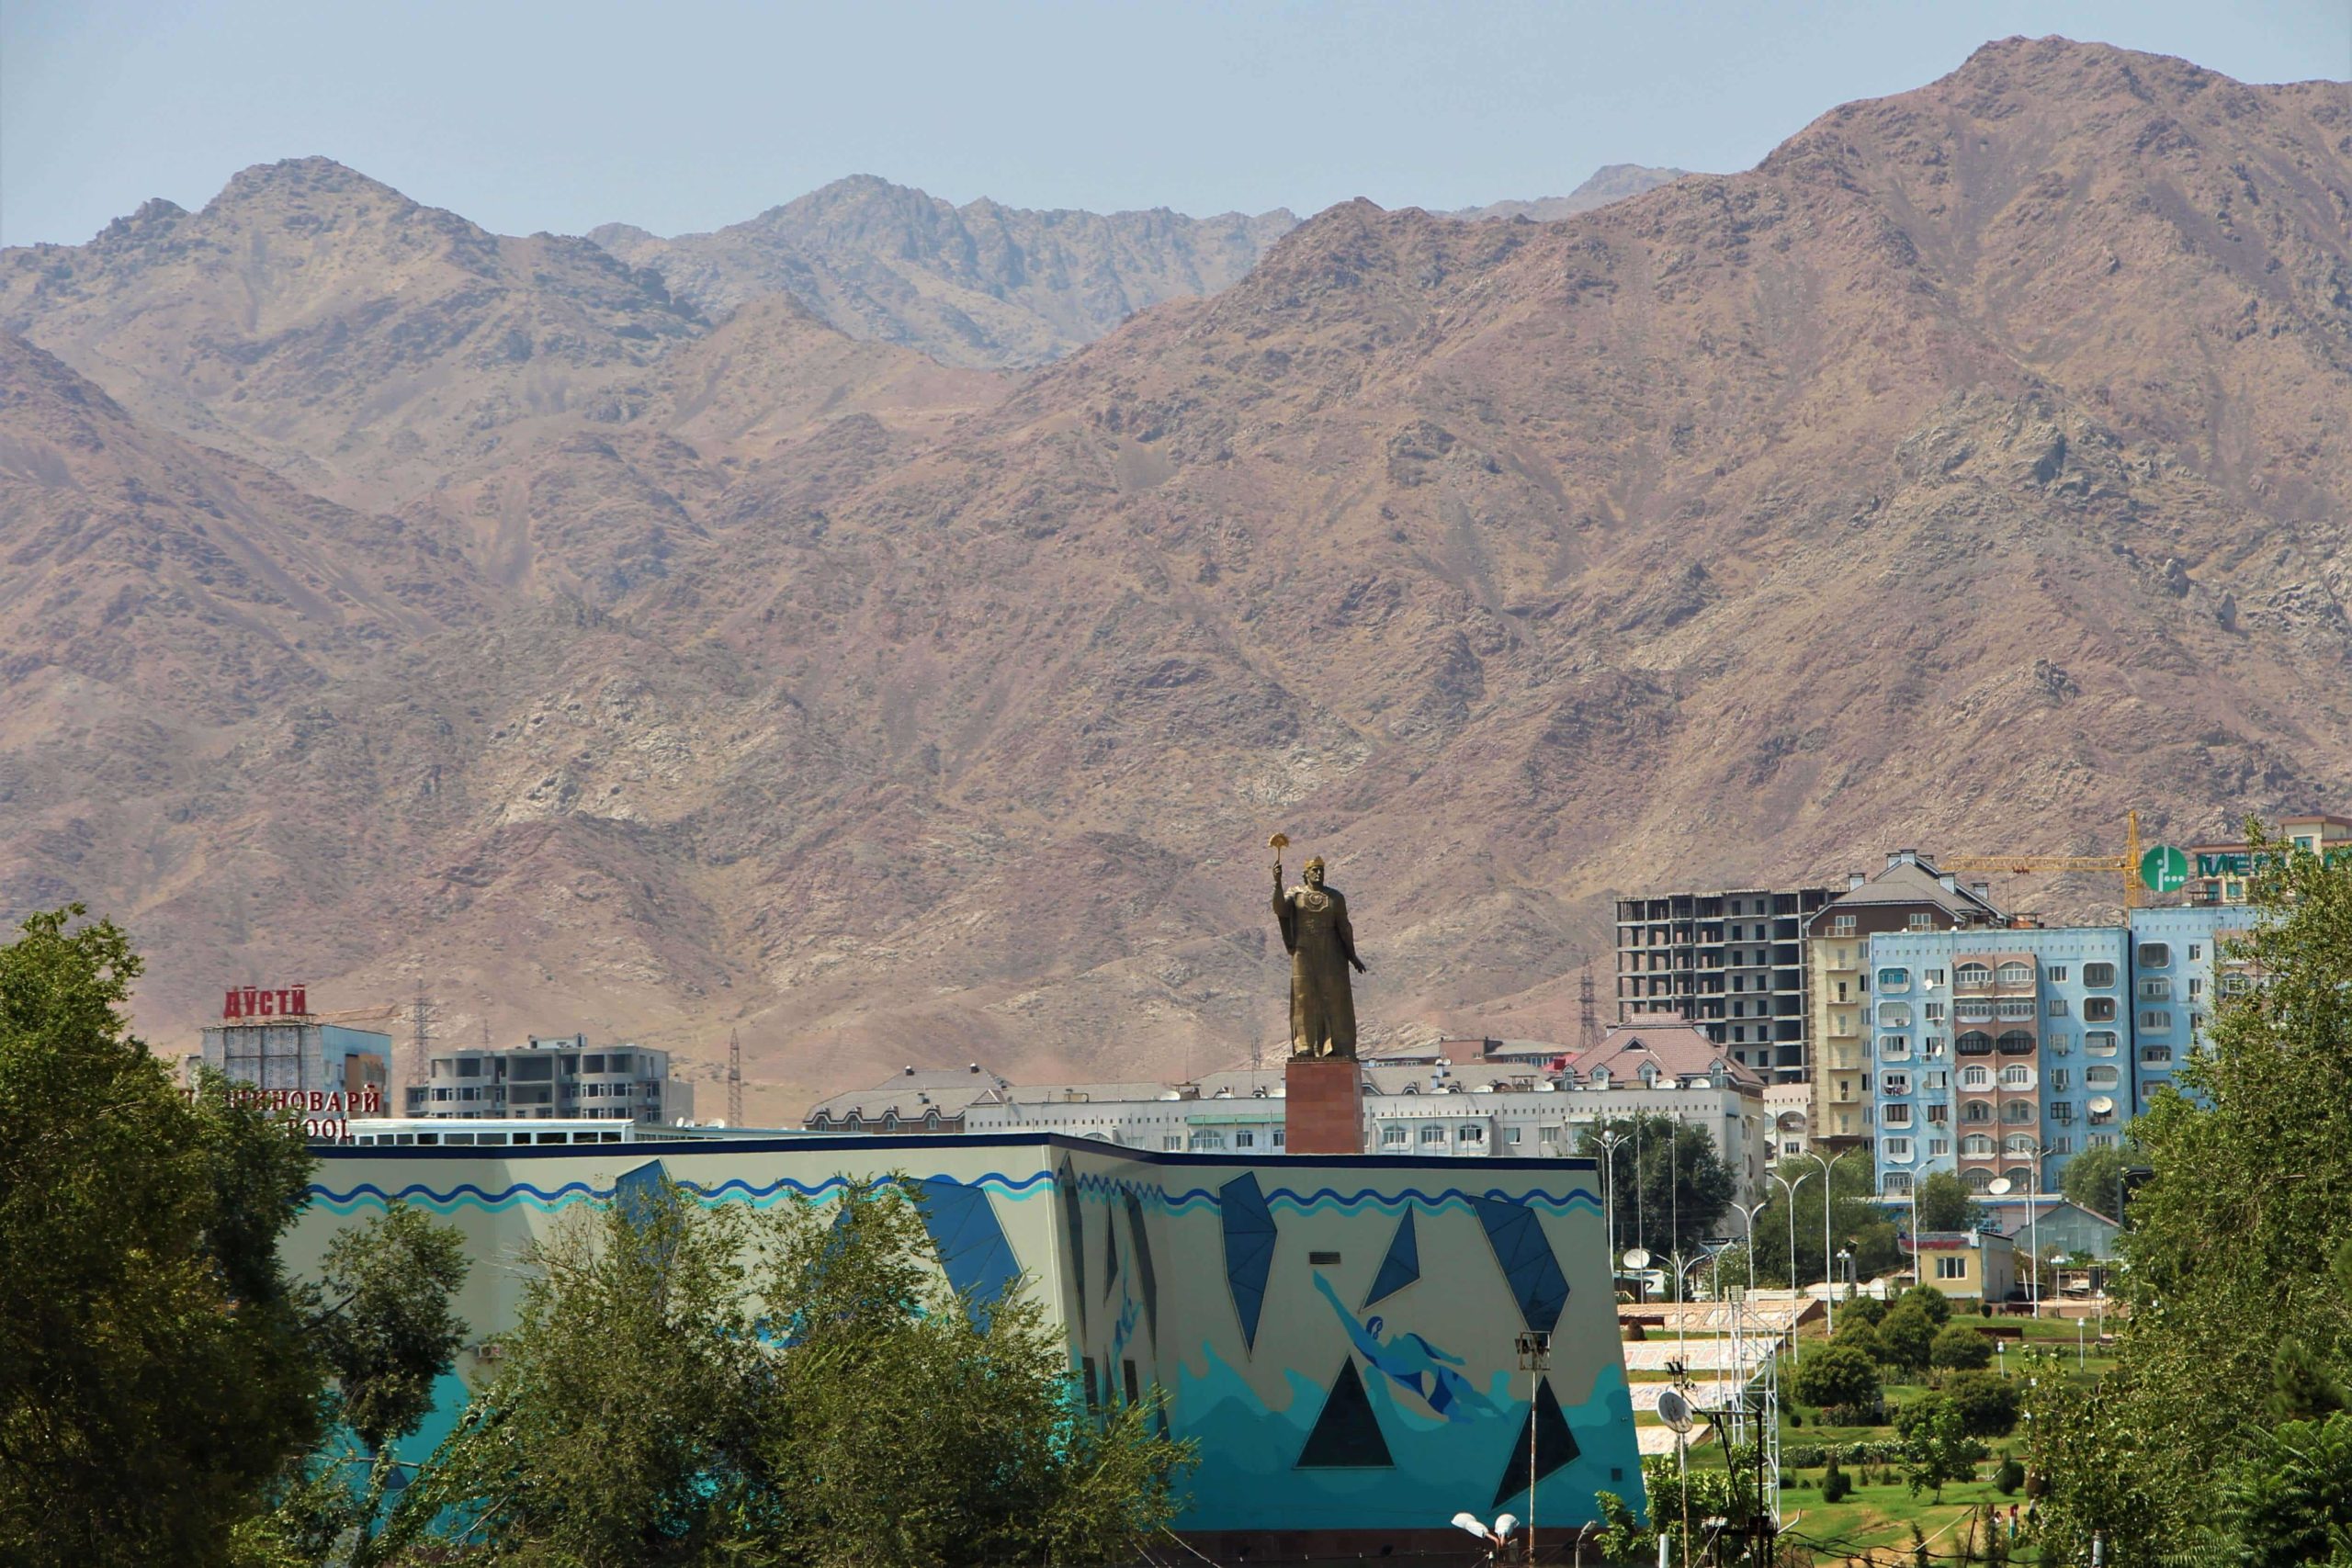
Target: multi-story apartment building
point(1998, 1052)
point(1732, 962)
point(1909, 894)
point(2182, 965)
point(559, 1077)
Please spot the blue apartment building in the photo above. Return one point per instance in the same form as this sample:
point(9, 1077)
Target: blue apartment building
point(1998, 1053)
point(2005, 1052)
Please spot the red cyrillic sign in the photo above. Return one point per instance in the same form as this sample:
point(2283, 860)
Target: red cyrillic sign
point(250, 1001)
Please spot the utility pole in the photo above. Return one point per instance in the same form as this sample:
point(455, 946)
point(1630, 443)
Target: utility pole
point(1587, 1012)
point(1534, 1359)
point(734, 1079)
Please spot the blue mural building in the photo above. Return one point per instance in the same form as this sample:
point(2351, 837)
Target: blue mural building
point(1337, 1333)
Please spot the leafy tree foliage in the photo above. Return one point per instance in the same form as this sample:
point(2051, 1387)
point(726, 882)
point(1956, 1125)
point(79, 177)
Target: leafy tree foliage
point(1988, 1404)
point(1837, 1374)
point(2290, 1502)
point(689, 1384)
point(1671, 1186)
point(2235, 1237)
point(1906, 1336)
point(154, 1376)
point(1930, 1301)
point(162, 1383)
point(1937, 1449)
point(1946, 1204)
point(2091, 1177)
point(1960, 1348)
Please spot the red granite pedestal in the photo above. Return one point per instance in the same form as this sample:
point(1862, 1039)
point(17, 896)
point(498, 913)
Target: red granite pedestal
point(1323, 1108)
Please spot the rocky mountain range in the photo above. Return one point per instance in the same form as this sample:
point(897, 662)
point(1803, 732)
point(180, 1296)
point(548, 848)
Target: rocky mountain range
point(390, 601)
point(1611, 182)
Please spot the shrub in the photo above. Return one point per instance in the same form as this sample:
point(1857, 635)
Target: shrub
point(1859, 1333)
point(1836, 1375)
point(1871, 1414)
point(1989, 1405)
point(1834, 1483)
point(1906, 1336)
point(2009, 1476)
point(1985, 1308)
point(1933, 1302)
point(1959, 1350)
point(1863, 1309)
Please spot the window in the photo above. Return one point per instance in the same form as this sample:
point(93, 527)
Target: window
point(1511, 1135)
point(1951, 1268)
point(2064, 1143)
point(2236, 985)
point(1473, 1132)
point(1280, 1137)
point(1172, 1141)
point(1933, 977)
point(2062, 1078)
point(2195, 989)
point(2015, 973)
point(1548, 1134)
point(1977, 1146)
point(2196, 950)
point(1939, 1081)
point(1932, 1011)
point(1842, 925)
point(1973, 1009)
point(2057, 973)
point(2101, 1077)
point(2016, 1075)
point(1433, 1133)
point(1976, 1043)
point(1896, 1085)
point(1894, 1148)
point(2098, 1010)
point(2062, 1111)
point(1972, 975)
point(2154, 955)
point(1895, 1183)
point(1895, 1114)
point(1206, 1141)
point(2155, 1055)
point(2017, 1010)
point(2099, 976)
point(2156, 1022)
point(1923, 922)
point(1245, 1140)
point(1893, 1048)
point(2155, 988)
point(1895, 1015)
point(2016, 1043)
point(1939, 1114)
point(1978, 1181)
point(2058, 1044)
point(620, 1063)
point(2016, 1111)
point(1894, 979)
point(1939, 1147)
point(1975, 1077)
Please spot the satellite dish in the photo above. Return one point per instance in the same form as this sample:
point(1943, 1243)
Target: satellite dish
point(2101, 1104)
point(1637, 1258)
point(1675, 1410)
point(2000, 1186)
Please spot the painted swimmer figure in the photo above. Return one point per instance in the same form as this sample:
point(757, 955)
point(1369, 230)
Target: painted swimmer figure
point(1411, 1362)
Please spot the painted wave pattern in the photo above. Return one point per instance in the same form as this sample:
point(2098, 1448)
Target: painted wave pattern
point(467, 1194)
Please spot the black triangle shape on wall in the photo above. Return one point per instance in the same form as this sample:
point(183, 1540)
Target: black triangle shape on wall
point(1346, 1436)
point(1556, 1446)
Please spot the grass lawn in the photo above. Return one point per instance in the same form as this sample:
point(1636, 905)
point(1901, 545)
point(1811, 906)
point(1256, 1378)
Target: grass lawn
point(1879, 1518)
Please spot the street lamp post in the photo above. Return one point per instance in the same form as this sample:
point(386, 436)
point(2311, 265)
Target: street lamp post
point(1534, 1357)
point(1791, 1188)
point(1748, 1213)
point(1911, 1186)
point(1830, 1323)
point(1609, 1141)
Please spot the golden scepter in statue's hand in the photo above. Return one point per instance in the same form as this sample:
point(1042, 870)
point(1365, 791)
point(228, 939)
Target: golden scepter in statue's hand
point(1278, 843)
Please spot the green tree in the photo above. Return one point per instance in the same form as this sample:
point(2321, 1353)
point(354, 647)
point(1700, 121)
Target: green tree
point(1856, 1331)
point(1930, 1301)
point(2290, 1501)
point(2234, 1237)
point(1856, 1223)
point(155, 1375)
point(1946, 1204)
point(1937, 1449)
point(1671, 1187)
point(1988, 1403)
point(2091, 1177)
point(1906, 1337)
point(1959, 1350)
point(689, 1384)
point(1836, 1375)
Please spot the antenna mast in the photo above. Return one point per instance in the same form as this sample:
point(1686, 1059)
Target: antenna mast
point(734, 1079)
point(1587, 1011)
point(424, 1017)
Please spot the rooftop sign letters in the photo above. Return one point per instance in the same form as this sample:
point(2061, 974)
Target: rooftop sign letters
point(249, 1002)
point(2244, 863)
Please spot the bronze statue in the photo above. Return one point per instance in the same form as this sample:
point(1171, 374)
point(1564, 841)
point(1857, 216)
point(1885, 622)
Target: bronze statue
point(1322, 946)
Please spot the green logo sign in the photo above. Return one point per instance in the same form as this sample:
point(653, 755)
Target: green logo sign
point(2164, 869)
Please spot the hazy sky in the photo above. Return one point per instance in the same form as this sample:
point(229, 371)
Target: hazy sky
point(690, 114)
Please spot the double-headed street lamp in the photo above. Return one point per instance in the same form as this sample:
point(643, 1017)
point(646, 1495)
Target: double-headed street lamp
point(1830, 1324)
point(1609, 1141)
point(1791, 1188)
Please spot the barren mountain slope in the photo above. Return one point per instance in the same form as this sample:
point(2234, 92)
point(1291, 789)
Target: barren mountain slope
point(1956, 477)
point(326, 325)
point(1611, 182)
point(977, 285)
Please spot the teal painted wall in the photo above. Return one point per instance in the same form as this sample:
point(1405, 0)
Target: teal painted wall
point(1338, 1335)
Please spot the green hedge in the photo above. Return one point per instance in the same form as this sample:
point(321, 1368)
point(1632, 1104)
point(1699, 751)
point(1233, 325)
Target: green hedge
point(1809, 1456)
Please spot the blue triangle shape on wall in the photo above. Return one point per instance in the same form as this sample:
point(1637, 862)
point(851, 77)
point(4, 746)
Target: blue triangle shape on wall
point(1347, 1435)
point(1249, 1249)
point(1521, 1247)
point(1066, 1183)
point(1556, 1446)
point(1147, 1281)
point(1401, 1267)
point(973, 1251)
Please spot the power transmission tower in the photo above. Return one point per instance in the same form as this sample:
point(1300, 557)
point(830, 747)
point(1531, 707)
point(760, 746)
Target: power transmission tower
point(734, 1079)
point(1588, 1013)
point(425, 1018)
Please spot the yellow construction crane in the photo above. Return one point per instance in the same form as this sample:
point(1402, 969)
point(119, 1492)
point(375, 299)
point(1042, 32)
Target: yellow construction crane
point(2127, 863)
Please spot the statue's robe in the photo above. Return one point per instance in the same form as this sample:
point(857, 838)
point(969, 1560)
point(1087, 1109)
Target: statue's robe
point(1321, 944)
